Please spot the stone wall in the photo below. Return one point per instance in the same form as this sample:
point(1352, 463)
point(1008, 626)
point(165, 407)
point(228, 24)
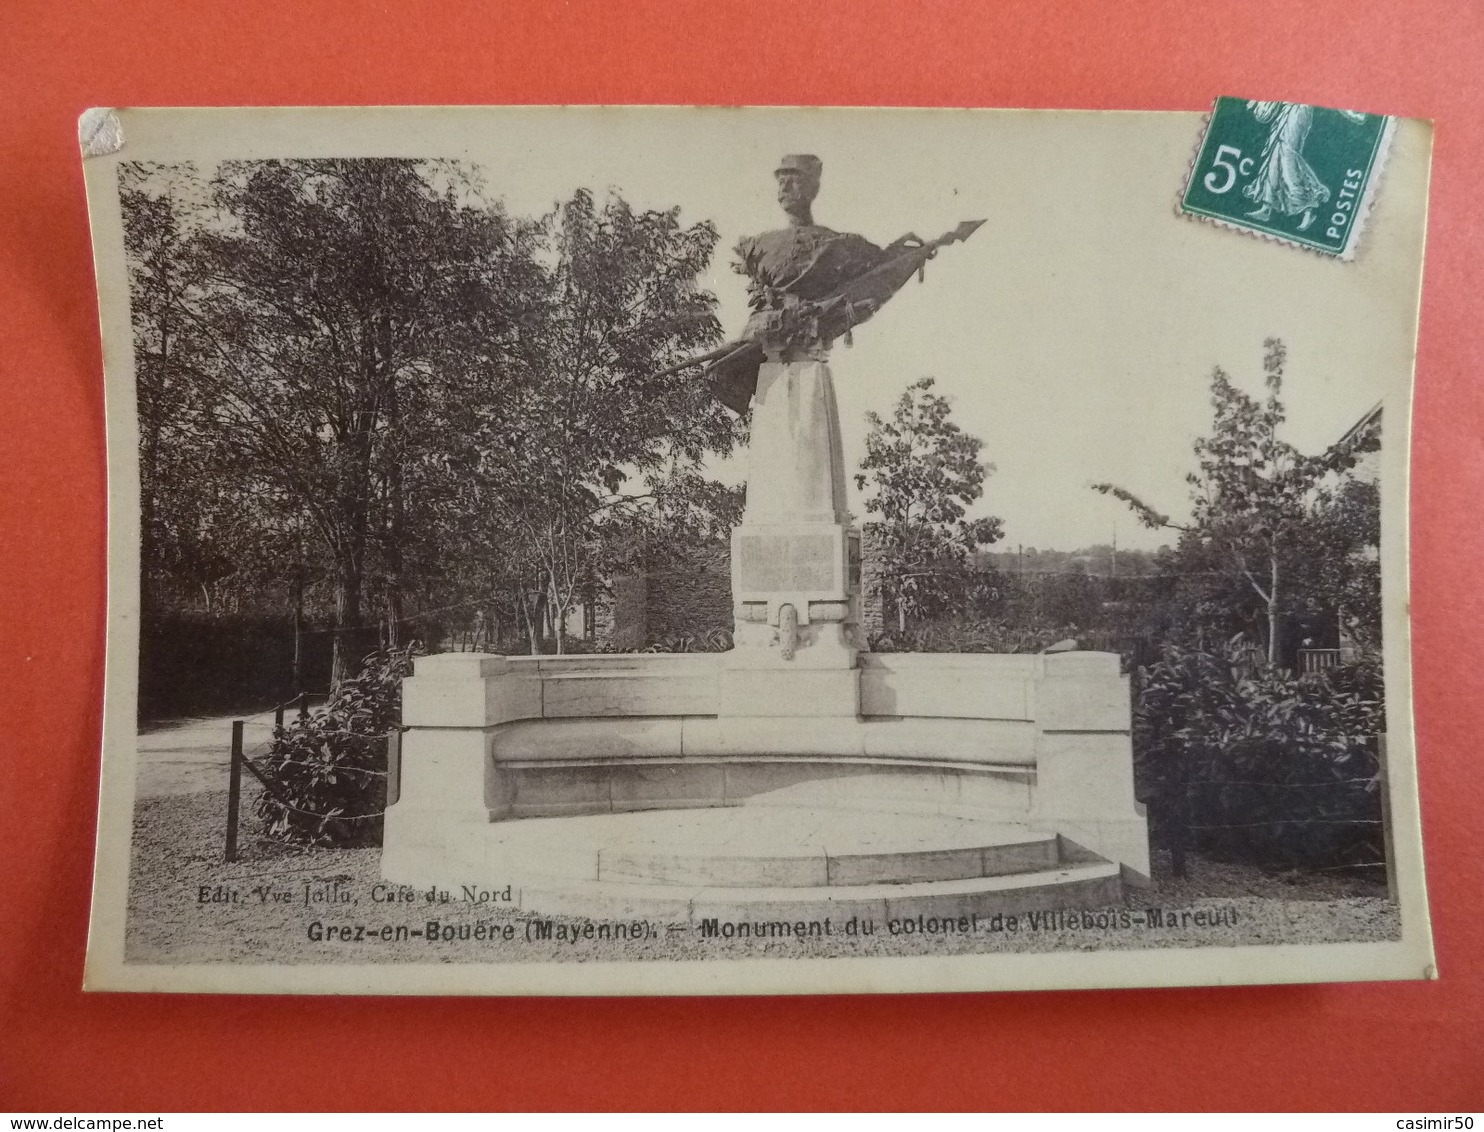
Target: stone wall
point(1039, 739)
point(629, 625)
point(689, 599)
point(693, 598)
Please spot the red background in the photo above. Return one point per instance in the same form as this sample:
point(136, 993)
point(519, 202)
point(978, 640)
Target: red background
point(1414, 1046)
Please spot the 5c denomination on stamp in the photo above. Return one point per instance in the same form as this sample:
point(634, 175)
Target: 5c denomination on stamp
point(1301, 174)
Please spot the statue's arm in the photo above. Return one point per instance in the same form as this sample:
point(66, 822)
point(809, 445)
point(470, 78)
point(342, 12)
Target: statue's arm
point(746, 253)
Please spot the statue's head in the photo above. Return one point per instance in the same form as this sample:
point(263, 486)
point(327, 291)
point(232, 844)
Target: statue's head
point(798, 184)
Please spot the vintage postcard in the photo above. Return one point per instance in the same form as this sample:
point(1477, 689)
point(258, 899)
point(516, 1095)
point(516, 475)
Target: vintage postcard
point(716, 551)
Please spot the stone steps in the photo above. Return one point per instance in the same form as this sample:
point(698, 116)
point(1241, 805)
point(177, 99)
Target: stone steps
point(1067, 886)
point(826, 869)
point(791, 863)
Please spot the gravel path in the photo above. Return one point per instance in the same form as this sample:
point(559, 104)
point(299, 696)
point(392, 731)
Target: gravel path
point(191, 756)
point(187, 906)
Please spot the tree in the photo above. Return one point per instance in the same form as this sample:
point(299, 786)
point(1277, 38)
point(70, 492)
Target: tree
point(363, 371)
point(594, 437)
point(157, 256)
point(922, 472)
point(346, 302)
point(1252, 500)
point(1340, 548)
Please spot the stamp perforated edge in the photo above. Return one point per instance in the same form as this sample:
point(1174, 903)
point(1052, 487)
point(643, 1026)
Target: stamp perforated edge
point(1349, 252)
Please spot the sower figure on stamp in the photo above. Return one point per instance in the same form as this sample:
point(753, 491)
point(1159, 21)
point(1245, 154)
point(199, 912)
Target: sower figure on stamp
point(1286, 181)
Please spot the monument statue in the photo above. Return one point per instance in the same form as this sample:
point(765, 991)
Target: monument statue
point(809, 285)
point(795, 559)
point(789, 760)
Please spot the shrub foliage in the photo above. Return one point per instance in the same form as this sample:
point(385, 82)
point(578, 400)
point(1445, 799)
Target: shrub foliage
point(329, 769)
point(1249, 762)
point(964, 634)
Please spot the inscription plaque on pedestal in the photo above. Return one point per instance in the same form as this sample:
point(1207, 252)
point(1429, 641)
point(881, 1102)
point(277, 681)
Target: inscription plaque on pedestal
point(803, 561)
point(787, 563)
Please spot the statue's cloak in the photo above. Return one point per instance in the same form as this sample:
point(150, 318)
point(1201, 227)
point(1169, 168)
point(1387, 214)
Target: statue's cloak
point(838, 280)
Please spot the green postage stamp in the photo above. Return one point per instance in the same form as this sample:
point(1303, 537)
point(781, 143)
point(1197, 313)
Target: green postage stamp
point(1297, 173)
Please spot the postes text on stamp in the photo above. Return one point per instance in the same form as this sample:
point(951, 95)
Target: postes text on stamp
point(1297, 173)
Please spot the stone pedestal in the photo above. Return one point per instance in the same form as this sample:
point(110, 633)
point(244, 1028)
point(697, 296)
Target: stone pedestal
point(796, 466)
point(450, 707)
point(795, 560)
point(1085, 760)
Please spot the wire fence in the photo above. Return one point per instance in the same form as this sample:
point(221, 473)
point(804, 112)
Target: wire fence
point(1320, 826)
point(253, 763)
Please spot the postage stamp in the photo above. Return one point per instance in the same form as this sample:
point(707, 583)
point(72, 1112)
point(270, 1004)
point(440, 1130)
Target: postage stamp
point(1301, 174)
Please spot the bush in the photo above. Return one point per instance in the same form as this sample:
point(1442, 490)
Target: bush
point(713, 640)
point(1252, 763)
point(329, 769)
point(964, 634)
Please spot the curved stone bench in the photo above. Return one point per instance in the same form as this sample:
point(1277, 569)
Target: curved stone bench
point(937, 742)
point(544, 768)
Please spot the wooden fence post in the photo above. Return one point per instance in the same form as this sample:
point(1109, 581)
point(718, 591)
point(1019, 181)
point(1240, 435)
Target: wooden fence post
point(1179, 817)
point(278, 719)
point(234, 789)
point(303, 705)
point(393, 768)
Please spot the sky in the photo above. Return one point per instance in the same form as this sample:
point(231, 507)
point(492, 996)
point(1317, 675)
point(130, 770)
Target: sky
point(1075, 332)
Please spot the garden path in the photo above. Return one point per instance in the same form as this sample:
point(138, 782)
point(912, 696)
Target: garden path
point(191, 756)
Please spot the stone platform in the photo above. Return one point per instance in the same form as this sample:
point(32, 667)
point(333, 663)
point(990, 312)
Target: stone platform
point(789, 862)
point(599, 784)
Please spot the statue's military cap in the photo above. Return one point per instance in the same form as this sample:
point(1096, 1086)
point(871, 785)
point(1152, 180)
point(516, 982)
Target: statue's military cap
point(805, 163)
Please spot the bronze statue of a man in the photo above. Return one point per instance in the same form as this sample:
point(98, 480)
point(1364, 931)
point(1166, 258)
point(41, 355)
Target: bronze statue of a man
point(809, 284)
